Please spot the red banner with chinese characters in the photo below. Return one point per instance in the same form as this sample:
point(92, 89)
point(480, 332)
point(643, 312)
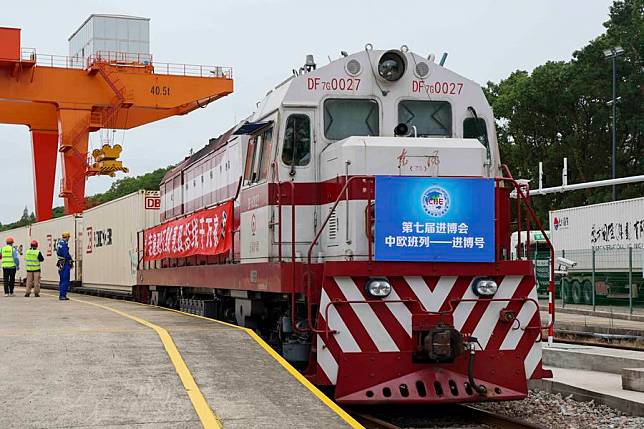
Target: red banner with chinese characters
point(206, 232)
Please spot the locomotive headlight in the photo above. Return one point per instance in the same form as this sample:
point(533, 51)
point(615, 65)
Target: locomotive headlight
point(485, 287)
point(391, 66)
point(378, 288)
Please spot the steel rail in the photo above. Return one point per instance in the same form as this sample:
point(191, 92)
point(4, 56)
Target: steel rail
point(470, 412)
point(371, 422)
point(497, 420)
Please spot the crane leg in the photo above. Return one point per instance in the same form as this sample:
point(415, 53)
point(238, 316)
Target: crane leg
point(44, 148)
point(74, 130)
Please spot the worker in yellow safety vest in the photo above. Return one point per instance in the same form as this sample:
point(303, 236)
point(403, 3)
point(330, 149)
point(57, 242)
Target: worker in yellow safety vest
point(33, 258)
point(10, 264)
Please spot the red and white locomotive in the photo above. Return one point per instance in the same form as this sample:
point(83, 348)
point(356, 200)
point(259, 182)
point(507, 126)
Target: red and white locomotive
point(297, 185)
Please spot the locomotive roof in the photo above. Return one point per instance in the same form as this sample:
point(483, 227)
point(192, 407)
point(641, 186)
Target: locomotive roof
point(296, 90)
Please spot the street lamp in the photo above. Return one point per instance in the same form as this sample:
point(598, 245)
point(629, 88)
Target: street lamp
point(612, 54)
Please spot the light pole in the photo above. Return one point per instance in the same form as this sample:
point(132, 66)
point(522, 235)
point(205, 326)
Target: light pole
point(612, 54)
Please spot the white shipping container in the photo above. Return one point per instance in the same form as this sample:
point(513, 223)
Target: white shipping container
point(617, 224)
point(608, 228)
point(47, 234)
point(21, 244)
point(110, 230)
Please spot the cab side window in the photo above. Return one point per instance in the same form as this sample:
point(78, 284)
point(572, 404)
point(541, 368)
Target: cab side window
point(475, 128)
point(265, 155)
point(297, 141)
point(258, 156)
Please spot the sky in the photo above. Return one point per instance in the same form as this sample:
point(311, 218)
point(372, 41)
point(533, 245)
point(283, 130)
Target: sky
point(263, 40)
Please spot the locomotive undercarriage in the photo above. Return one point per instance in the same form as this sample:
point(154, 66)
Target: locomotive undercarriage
point(268, 314)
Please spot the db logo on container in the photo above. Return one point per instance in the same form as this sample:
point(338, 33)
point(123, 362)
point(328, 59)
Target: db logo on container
point(152, 203)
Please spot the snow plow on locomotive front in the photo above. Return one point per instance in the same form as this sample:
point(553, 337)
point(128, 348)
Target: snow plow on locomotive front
point(366, 234)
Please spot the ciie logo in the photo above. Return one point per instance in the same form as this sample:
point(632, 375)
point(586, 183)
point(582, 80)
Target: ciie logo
point(560, 223)
point(435, 201)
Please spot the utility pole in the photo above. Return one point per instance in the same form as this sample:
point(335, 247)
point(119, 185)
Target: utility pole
point(613, 107)
point(612, 54)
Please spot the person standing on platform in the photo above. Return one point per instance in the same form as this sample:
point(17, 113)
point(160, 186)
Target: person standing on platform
point(64, 266)
point(10, 264)
point(33, 258)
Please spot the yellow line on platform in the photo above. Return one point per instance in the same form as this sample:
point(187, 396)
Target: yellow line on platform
point(208, 418)
point(291, 370)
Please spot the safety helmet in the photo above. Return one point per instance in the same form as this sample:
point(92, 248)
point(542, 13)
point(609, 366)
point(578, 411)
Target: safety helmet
point(34, 243)
point(9, 240)
point(66, 234)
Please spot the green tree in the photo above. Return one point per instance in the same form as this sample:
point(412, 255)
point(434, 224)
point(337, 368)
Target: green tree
point(127, 185)
point(560, 110)
point(122, 187)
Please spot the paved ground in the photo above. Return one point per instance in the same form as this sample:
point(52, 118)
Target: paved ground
point(71, 364)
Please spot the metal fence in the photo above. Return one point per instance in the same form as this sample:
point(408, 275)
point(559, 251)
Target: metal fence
point(608, 278)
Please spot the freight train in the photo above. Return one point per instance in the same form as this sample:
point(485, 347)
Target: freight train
point(102, 243)
point(360, 221)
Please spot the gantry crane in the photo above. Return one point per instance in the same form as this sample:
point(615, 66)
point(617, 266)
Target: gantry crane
point(62, 100)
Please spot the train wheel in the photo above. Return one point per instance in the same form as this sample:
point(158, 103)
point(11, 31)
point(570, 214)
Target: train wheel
point(575, 292)
point(587, 292)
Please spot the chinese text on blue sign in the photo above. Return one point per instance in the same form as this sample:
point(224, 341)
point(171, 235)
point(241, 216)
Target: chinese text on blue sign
point(434, 219)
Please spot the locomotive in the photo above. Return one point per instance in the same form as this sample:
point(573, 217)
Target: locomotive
point(365, 220)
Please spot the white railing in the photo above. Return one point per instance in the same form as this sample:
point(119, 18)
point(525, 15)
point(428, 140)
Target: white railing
point(125, 59)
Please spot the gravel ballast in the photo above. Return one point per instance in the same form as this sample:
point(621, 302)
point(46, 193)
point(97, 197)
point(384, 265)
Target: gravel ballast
point(558, 412)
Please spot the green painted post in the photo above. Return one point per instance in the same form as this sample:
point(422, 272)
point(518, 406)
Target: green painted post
point(592, 281)
point(630, 280)
point(563, 284)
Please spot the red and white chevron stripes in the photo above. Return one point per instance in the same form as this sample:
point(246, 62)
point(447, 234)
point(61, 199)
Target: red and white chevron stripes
point(387, 327)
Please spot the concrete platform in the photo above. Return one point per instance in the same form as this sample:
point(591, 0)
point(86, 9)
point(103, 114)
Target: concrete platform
point(591, 358)
point(633, 379)
point(601, 387)
point(74, 364)
point(592, 373)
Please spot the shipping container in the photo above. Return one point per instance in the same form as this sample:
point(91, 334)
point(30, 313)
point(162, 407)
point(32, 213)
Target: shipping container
point(613, 225)
point(604, 245)
point(109, 250)
point(48, 233)
point(21, 244)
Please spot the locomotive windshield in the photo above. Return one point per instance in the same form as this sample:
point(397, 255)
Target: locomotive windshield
point(431, 118)
point(350, 117)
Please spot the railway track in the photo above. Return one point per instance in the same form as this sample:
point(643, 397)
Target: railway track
point(453, 416)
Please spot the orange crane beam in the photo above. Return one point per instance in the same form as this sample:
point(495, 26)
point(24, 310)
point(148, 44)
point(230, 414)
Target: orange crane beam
point(62, 101)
